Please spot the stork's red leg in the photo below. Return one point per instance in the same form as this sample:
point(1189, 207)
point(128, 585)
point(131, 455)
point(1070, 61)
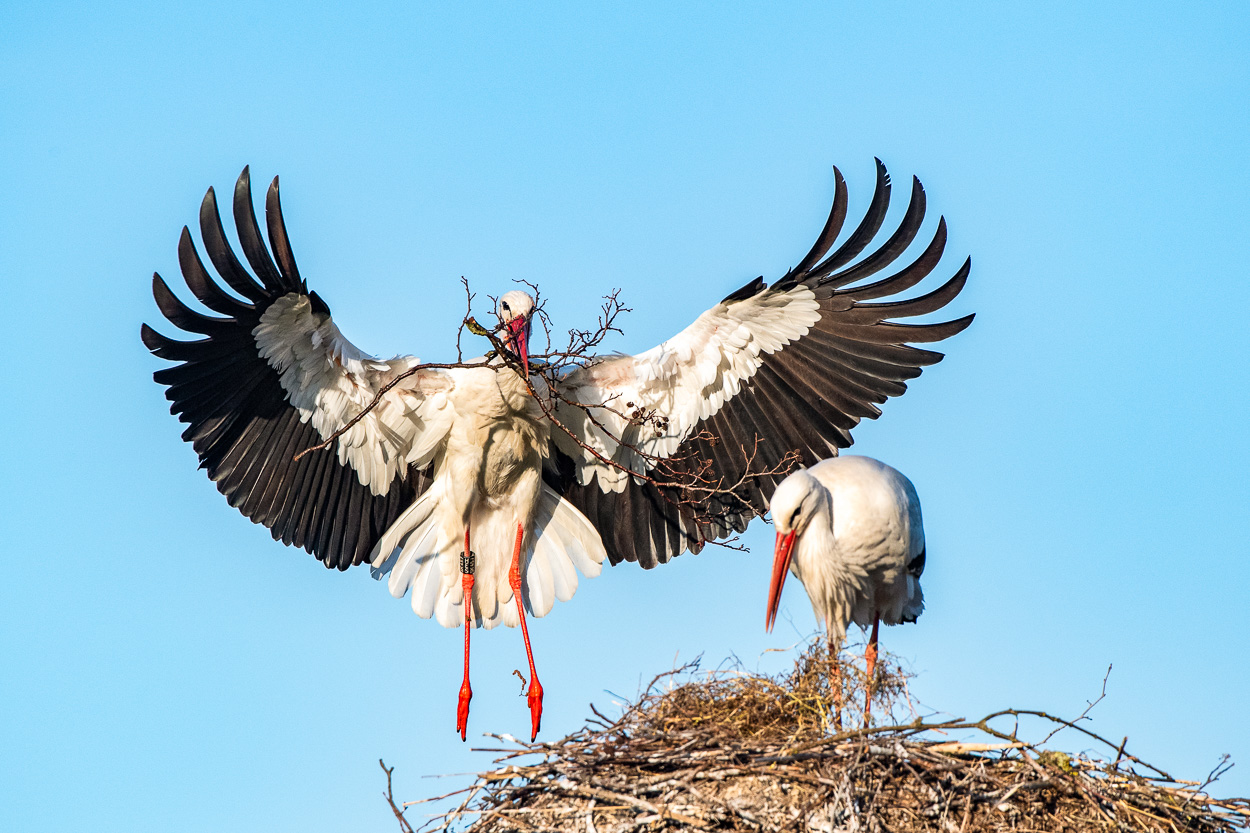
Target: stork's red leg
point(467, 568)
point(535, 695)
point(870, 660)
point(835, 681)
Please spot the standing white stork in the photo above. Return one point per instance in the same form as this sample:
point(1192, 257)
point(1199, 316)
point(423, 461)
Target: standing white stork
point(850, 529)
point(464, 461)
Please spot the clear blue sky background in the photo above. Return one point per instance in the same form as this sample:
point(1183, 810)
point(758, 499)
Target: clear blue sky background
point(1081, 453)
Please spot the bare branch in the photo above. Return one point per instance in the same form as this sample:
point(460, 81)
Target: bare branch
point(390, 799)
point(1089, 706)
point(686, 481)
point(468, 313)
point(383, 391)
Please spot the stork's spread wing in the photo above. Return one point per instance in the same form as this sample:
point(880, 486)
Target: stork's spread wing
point(767, 371)
point(275, 377)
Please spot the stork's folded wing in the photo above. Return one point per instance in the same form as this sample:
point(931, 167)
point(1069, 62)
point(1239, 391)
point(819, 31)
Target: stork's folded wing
point(767, 372)
point(275, 377)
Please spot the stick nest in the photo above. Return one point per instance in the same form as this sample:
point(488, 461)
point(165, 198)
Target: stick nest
point(731, 750)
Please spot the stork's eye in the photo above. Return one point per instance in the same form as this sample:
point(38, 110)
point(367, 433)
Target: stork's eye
point(798, 511)
point(504, 306)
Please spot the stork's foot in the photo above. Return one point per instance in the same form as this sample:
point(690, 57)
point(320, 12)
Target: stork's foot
point(535, 699)
point(462, 710)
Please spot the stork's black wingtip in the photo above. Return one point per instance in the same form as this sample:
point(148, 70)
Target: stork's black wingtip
point(151, 339)
point(961, 324)
point(318, 305)
point(748, 291)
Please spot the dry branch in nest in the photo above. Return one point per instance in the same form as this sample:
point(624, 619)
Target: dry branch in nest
point(731, 750)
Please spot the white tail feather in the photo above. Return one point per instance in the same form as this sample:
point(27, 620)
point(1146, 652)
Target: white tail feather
point(563, 573)
point(539, 586)
point(418, 556)
point(426, 586)
point(418, 551)
point(579, 540)
point(386, 551)
point(449, 611)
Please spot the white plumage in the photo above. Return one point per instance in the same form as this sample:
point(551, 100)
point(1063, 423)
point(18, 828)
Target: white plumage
point(468, 458)
point(850, 529)
point(685, 380)
point(484, 438)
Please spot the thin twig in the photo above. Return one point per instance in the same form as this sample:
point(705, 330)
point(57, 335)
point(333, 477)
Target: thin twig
point(390, 799)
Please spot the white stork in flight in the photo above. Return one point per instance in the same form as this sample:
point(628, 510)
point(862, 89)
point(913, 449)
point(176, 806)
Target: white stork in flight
point(459, 489)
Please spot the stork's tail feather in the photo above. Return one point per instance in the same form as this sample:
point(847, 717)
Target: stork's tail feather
point(415, 552)
point(915, 600)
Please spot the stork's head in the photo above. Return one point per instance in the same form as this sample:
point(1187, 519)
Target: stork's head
point(796, 500)
point(515, 310)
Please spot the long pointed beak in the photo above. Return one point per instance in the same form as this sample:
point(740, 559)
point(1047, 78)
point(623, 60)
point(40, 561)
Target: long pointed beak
point(519, 335)
point(781, 566)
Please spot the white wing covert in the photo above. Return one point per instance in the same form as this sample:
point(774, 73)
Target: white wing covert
point(637, 409)
point(329, 381)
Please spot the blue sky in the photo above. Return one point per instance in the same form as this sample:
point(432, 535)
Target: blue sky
point(1080, 454)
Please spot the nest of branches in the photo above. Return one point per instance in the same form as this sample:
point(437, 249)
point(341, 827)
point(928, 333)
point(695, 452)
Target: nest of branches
point(731, 750)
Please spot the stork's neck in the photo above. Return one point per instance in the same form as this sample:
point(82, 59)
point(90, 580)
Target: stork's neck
point(830, 582)
point(817, 537)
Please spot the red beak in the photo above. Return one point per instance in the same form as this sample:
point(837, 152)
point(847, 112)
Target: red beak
point(781, 566)
point(519, 335)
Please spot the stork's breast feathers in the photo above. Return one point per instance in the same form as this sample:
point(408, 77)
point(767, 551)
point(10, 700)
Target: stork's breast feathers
point(329, 381)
